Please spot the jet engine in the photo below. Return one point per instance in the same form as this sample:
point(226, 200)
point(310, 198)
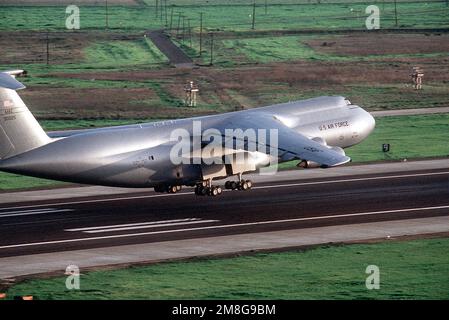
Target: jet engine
point(306, 164)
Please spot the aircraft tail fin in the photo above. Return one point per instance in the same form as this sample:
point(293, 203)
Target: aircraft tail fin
point(19, 130)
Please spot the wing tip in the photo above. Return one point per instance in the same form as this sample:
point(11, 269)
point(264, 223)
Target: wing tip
point(338, 162)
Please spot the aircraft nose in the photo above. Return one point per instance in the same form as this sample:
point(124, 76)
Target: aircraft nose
point(368, 124)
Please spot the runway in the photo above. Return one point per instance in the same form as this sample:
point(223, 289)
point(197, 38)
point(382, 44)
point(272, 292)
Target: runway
point(274, 206)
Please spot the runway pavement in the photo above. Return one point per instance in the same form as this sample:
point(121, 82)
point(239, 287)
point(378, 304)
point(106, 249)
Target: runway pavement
point(100, 229)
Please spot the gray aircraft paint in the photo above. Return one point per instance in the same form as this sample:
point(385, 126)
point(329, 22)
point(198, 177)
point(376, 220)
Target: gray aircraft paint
point(138, 155)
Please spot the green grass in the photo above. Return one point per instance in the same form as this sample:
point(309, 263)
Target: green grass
point(110, 54)
point(228, 17)
point(410, 137)
point(408, 270)
point(267, 49)
point(9, 182)
point(55, 125)
point(418, 136)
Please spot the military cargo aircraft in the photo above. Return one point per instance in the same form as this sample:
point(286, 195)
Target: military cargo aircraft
point(167, 155)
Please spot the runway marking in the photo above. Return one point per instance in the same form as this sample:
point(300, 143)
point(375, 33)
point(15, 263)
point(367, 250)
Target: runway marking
point(143, 225)
point(222, 226)
point(256, 187)
point(351, 180)
point(31, 212)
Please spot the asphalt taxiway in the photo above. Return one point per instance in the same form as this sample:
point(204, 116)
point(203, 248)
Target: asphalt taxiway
point(44, 231)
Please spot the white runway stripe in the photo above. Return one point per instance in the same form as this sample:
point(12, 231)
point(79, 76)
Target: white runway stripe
point(225, 226)
point(133, 224)
point(143, 225)
point(32, 212)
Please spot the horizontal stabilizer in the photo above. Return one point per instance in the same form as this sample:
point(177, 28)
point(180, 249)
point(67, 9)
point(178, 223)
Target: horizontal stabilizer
point(8, 81)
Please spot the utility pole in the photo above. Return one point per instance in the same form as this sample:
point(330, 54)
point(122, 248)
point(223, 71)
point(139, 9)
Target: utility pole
point(201, 33)
point(254, 15)
point(395, 14)
point(106, 13)
point(179, 24)
point(171, 19)
point(47, 41)
point(162, 11)
point(190, 32)
point(157, 8)
point(211, 48)
point(183, 28)
point(166, 16)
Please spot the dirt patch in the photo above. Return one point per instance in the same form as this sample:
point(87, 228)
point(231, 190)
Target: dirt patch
point(21, 47)
point(382, 44)
point(380, 84)
point(69, 103)
point(377, 86)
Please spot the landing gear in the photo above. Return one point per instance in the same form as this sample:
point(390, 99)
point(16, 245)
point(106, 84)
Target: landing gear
point(206, 188)
point(241, 184)
point(168, 189)
point(201, 190)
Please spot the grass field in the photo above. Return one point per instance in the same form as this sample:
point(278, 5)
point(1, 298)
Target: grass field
point(410, 137)
point(290, 48)
point(109, 55)
point(408, 270)
point(229, 17)
point(417, 136)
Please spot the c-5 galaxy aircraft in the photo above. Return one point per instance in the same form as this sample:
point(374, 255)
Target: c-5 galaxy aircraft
point(169, 154)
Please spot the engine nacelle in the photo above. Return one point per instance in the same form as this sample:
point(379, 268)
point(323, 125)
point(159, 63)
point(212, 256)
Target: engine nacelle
point(306, 164)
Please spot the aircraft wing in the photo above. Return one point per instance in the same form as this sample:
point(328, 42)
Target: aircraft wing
point(289, 141)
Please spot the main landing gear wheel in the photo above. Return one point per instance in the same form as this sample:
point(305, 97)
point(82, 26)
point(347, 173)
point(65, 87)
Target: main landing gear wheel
point(239, 185)
point(213, 191)
point(168, 189)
